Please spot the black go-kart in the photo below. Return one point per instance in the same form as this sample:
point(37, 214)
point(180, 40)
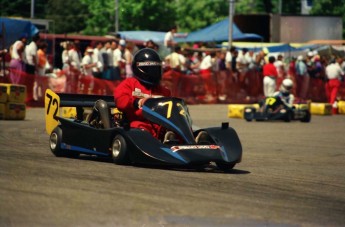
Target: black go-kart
point(273, 108)
point(73, 136)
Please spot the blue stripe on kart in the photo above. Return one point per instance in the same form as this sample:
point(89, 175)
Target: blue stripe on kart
point(174, 154)
point(165, 120)
point(81, 149)
point(223, 153)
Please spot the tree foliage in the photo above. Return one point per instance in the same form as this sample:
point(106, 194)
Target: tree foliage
point(97, 17)
point(69, 16)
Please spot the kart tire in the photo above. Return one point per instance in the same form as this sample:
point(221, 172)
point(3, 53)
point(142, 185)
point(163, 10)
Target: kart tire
point(225, 166)
point(307, 117)
point(288, 116)
point(119, 152)
point(55, 143)
point(249, 118)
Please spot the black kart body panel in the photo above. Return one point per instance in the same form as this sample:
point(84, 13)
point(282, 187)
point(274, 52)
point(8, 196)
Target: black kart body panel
point(225, 146)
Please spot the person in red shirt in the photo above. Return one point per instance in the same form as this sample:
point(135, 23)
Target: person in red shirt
point(270, 77)
point(131, 93)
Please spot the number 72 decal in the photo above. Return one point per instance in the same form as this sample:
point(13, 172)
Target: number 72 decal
point(170, 106)
point(51, 104)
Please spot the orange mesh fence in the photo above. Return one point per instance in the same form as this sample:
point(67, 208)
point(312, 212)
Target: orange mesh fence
point(215, 87)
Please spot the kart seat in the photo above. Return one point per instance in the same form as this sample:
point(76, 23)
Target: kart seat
point(100, 115)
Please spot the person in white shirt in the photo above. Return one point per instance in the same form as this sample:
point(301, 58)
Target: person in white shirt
point(334, 75)
point(17, 63)
point(176, 60)
point(73, 56)
point(98, 59)
point(279, 64)
point(169, 38)
point(87, 63)
point(118, 59)
point(31, 55)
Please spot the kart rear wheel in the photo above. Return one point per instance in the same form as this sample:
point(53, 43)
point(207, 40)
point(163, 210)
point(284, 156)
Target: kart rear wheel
point(307, 117)
point(225, 166)
point(119, 150)
point(55, 145)
point(288, 116)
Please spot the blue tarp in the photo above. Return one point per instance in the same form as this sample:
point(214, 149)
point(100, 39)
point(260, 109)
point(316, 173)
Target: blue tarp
point(218, 32)
point(143, 36)
point(14, 29)
point(214, 33)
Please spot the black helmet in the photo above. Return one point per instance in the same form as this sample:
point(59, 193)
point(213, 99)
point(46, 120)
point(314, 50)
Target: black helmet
point(147, 66)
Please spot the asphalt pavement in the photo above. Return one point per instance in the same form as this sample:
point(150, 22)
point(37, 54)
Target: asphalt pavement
point(292, 174)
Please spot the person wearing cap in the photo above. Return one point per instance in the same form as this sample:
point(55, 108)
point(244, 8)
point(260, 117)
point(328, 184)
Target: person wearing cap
point(302, 77)
point(270, 74)
point(334, 75)
point(87, 63)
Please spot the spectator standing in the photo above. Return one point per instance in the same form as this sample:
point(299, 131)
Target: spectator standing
point(206, 74)
point(17, 63)
point(176, 61)
point(242, 65)
point(291, 73)
point(302, 78)
point(98, 59)
point(87, 63)
point(119, 61)
point(260, 60)
point(110, 61)
point(105, 56)
point(270, 76)
point(279, 64)
point(195, 62)
point(222, 75)
point(73, 56)
point(42, 61)
point(334, 75)
point(42, 66)
point(234, 66)
point(31, 55)
point(128, 56)
point(169, 38)
point(64, 56)
point(228, 57)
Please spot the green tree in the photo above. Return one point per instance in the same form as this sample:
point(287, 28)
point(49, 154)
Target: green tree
point(156, 15)
point(193, 15)
point(68, 15)
point(22, 8)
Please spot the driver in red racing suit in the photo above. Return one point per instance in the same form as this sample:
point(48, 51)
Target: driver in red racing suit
point(131, 93)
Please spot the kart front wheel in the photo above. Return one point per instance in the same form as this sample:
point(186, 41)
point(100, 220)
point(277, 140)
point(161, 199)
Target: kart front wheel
point(225, 166)
point(119, 150)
